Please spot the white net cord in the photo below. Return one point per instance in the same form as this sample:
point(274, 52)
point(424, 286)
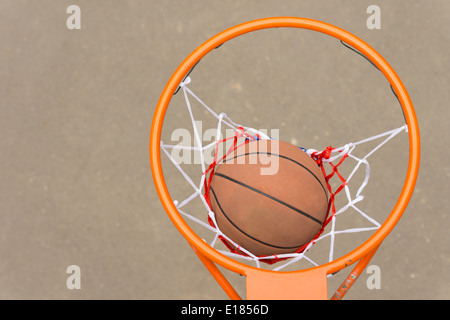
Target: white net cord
point(197, 183)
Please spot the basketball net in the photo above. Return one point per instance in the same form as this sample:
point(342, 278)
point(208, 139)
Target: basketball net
point(329, 160)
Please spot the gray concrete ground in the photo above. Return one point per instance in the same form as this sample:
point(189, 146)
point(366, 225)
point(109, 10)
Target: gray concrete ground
point(76, 108)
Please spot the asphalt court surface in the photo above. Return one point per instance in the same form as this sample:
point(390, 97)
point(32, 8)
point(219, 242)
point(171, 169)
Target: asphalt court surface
point(76, 108)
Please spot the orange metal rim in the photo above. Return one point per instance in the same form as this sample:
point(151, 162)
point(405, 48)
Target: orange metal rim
point(288, 22)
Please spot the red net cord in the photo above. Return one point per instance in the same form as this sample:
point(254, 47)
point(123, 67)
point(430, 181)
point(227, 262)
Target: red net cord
point(319, 157)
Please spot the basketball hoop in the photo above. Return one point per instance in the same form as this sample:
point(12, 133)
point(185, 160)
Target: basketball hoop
point(310, 283)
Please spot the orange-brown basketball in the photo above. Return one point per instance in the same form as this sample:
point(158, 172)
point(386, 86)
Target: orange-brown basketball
point(269, 197)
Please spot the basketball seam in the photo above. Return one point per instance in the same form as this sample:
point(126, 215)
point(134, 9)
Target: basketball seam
point(283, 157)
point(243, 232)
point(270, 197)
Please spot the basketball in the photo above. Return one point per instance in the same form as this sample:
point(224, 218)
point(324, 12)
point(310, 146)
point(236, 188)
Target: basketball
point(269, 197)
